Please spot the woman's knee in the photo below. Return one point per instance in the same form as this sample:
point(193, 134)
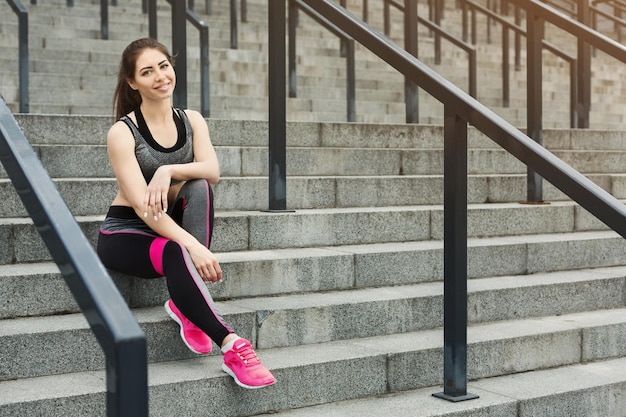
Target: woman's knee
point(197, 188)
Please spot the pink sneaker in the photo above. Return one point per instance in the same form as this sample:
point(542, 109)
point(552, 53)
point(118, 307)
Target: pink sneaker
point(242, 363)
point(194, 338)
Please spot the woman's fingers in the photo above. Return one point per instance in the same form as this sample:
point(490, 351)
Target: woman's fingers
point(155, 204)
point(211, 273)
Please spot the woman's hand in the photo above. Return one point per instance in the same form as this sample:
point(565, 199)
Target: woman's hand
point(155, 200)
point(206, 263)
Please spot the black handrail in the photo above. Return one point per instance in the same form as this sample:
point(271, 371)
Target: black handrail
point(294, 5)
point(22, 28)
point(106, 311)
point(459, 110)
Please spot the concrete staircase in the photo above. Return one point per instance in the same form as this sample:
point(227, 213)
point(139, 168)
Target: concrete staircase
point(343, 296)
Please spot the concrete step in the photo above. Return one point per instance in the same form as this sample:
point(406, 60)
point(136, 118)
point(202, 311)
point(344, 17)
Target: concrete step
point(589, 389)
point(92, 196)
point(348, 267)
point(309, 375)
point(253, 230)
point(61, 161)
point(40, 346)
point(43, 129)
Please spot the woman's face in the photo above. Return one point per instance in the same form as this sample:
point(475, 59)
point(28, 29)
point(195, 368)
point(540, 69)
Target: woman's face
point(154, 75)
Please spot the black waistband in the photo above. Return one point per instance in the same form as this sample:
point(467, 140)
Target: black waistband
point(122, 212)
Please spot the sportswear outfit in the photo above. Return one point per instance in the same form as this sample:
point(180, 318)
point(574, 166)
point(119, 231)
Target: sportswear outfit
point(127, 244)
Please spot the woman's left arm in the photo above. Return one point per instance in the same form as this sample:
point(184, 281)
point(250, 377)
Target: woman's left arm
point(205, 164)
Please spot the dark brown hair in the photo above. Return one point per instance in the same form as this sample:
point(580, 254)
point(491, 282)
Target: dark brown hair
point(125, 99)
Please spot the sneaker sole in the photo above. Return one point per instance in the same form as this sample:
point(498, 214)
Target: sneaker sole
point(182, 333)
point(241, 384)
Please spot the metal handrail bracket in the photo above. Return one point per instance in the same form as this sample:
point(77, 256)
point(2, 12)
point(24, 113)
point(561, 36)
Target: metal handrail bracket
point(118, 333)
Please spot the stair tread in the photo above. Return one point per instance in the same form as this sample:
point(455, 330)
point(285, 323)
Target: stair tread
point(283, 361)
point(502, 395)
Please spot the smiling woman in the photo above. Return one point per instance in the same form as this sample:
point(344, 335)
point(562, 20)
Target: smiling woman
point(161, 221)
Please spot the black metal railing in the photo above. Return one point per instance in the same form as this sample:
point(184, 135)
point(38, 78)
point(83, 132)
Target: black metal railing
point(348, 50)
point(595, 12)
point(473, 8)
point(459, 110)
point(22, 28)
point(619, 7)
point(118, 333)
point(435, 28)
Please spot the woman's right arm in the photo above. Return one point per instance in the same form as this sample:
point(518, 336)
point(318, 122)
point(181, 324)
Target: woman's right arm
point(121, 150)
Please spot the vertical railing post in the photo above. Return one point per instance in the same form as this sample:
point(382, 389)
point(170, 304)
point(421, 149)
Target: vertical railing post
point(584, 69)
point(342, 41)
point(234, 35)
point(386, 17)
point(205, 81)
point(518, 39)
point(464, 30)
point(244, 11)
point(534, 104)
point(179, 50)
point(350, 82)
point(291, 39)
point(152, 19)
point(573, 94)
point(277, 179)
point(104, 19)
point(505, 67)
point(410, 45)
point(23, 64)
point(437, 19)
point(455, 258)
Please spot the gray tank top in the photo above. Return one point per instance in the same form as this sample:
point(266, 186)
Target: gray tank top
point(150, 155)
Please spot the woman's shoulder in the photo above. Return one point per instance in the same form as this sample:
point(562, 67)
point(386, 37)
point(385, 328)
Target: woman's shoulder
point(192, 115)
point(119, 131)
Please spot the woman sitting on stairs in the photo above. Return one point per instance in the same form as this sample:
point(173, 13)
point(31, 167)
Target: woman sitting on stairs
point(160, 223)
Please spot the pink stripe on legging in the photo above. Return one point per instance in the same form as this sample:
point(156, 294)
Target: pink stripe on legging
point(208, 217)
point(201, 285)
point(156, 254)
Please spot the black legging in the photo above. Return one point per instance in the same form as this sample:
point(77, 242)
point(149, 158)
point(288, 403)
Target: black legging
point(126, 244)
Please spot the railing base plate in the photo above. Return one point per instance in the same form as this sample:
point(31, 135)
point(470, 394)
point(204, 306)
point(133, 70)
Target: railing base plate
point(535, 202)
point(455, 398)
